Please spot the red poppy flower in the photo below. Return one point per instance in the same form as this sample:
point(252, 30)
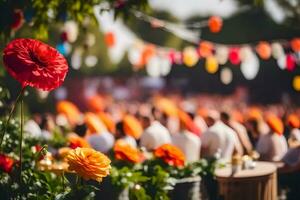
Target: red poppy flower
point(18, 19)
point(6, 163)
point(37, 149)
point(35, 64)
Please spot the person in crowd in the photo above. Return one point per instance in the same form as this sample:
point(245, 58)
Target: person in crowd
point(255, 124)
point(293, 124)
point(47, 126)
point(244, 145)
point(102, 142)
point(255, 130)
point(98, 135)
point(32, 127)
point(272, 146)
point(155, 134)
point(200, 122)
point(219, 138)
point(80, 129)
point(121, 135)
point(187, 141)
point(289, 173)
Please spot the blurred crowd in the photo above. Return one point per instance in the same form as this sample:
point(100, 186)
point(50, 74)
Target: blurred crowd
point(202, 127)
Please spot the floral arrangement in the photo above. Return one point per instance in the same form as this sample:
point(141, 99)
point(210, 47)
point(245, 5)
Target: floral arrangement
point(170, 154)
point(125, 152)
point(31, 172)
point(72, 169)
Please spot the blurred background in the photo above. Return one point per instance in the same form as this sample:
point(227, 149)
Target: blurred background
point(106, 55)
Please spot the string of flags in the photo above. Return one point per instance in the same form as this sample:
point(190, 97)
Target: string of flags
point(143, 54)
point(158, 60)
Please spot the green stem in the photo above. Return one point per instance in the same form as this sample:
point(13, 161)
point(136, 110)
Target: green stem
point(21, 141)
point(10, 115)
point(77, 179)
point(63, 180)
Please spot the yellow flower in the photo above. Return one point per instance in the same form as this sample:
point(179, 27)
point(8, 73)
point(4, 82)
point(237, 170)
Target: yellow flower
point(88, 163)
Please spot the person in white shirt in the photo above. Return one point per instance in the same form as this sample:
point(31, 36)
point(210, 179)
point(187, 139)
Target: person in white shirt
point(188, 143)
point(102, 142)
point(293, 124)
point(121, 135)
point(154, 135)
point(272, 146)
point(219, 138)
point(244, 145)
point(33, 129)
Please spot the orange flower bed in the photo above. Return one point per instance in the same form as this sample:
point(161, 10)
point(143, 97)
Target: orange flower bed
point(170, 154)
point(126, 152)
point(88, 163)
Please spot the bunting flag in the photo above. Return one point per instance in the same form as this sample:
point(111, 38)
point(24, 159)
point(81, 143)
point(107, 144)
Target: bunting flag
point(157, 60)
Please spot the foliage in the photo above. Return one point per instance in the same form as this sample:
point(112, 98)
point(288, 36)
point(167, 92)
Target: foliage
point(35, 184)
point(160, 182)
point(41, 13)
point(4, 96)
point(290, 7)
point(131, 179)
point(78, 191)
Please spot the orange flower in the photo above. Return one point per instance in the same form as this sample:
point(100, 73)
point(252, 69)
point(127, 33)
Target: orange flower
point(293, 121)
point(170, 155)
point(88, 163)
point(77, 141)
point(126, 152)
point(63, 152)
point(215, 24)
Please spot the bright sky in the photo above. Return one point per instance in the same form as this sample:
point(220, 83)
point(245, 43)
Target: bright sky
point(183, 9)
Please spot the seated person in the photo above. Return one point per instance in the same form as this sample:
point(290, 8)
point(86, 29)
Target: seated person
point(272, 146)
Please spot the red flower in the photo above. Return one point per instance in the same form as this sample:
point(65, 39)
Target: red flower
point(35, 64)
point(38, 149)
point(6, 163)
point(18, 19)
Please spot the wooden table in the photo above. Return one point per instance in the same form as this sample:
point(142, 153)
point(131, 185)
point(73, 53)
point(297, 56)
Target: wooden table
point(259, 183)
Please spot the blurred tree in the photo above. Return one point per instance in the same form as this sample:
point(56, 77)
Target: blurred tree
point(291, 7)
